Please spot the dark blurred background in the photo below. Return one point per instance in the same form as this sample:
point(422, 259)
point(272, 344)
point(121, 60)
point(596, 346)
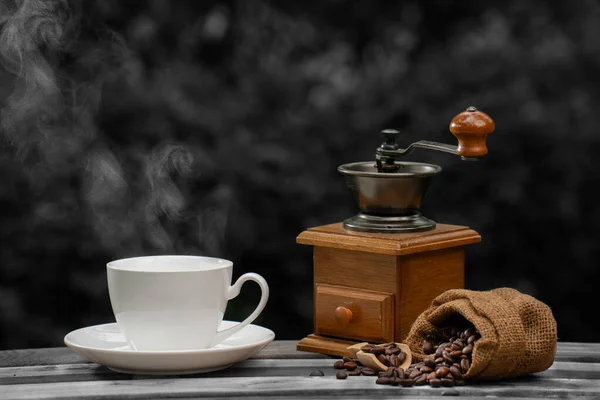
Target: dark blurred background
point(215, 128)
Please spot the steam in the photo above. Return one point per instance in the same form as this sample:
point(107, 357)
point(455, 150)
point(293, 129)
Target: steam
point(59, 70)
point(165, 199)
point(106, 193)
point(36, 103)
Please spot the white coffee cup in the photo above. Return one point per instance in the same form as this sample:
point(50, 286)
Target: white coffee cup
point(176, 302)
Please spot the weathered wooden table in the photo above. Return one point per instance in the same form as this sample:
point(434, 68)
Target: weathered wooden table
point(277, 371)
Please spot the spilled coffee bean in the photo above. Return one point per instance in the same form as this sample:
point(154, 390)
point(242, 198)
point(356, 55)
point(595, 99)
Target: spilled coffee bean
point(448, 352)
point(368, 372)
point(341, 375)
point(407, 382)
point(350, 365)
point(383, 380)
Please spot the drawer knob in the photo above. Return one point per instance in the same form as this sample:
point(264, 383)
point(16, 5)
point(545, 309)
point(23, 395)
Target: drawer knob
point(343, 315)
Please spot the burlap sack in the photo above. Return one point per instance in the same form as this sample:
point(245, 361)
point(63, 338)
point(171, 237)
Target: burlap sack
point(518, 332)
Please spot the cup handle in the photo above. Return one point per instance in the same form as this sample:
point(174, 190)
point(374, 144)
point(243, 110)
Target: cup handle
point(232, 292)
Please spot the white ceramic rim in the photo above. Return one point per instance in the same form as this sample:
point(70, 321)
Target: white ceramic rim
point(209, 350)
point(220, 263)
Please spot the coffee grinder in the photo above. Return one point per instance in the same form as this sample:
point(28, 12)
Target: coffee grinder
point(378, 270)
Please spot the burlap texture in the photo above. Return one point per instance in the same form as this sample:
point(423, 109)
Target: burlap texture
point(518, 332)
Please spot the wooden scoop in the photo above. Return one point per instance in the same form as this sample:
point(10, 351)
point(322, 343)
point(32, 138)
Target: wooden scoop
point(370, 360)
point(355, 348)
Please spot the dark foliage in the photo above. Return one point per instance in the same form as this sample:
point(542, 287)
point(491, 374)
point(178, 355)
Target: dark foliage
point(215, 128)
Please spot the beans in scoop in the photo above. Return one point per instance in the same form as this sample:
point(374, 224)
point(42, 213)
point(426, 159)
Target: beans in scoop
point(448, 358)
point(389, 354)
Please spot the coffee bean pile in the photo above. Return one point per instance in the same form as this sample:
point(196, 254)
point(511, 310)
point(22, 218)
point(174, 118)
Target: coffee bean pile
point(449, 351)
point(352, 367)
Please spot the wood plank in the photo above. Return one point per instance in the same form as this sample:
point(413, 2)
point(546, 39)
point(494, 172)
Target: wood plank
point(64, 355)
point(91, 372)
point(578, 352)
point(279, 349)
point(58, 373)
point(573, 370)
point(45, 356)
point(357, 387)
point(580, 346)
point(249, 368)
point(375, 396)
point(335, 236)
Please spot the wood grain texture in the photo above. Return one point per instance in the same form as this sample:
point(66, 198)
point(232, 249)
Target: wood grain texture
point(278, 377)
point(356, 269)
point(335, 236)
point(254, 367)
point(413, 268)
point(325, 345)
point(582, 353)
point(371, 396)
point(279, 349)
point(92, 372)
point(311, 387)
point(44, 356)
point(421, 278)
point(284, 349)
point(372, 313)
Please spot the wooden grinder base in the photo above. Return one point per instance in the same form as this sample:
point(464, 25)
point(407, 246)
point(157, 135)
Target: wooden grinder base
point(372, 286)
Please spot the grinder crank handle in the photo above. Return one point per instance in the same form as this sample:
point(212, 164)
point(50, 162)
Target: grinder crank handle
point(471, 128)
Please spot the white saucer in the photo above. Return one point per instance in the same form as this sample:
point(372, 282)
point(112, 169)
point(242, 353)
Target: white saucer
point(106, 345)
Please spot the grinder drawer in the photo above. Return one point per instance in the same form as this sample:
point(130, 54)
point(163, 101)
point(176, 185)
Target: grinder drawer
point(354, 313)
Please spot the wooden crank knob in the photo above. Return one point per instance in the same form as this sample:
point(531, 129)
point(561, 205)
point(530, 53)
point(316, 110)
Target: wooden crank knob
point(343, 315)
point(471, 128)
